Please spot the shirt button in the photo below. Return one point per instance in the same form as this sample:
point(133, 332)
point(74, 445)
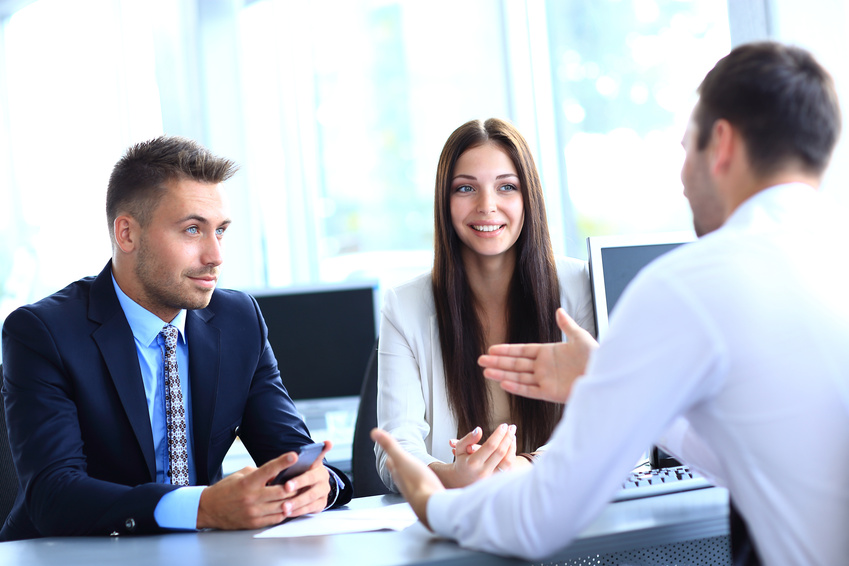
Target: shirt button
point(130, 524)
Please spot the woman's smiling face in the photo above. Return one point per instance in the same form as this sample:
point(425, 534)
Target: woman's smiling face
point(487, 208)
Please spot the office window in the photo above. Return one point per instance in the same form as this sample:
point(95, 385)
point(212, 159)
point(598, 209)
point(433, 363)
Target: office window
point(337, 111)
point(77, 85)
point(624, 79)
point(348, 105)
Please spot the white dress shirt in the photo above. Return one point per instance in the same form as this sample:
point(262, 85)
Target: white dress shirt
point(412, 402)
point(741, 341)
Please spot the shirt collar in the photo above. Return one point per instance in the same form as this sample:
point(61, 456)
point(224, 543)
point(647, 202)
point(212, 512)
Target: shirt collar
point(145, 325)
point(772, 204)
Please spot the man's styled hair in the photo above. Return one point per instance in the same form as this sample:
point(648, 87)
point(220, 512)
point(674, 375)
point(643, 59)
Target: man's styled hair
point(782, 101)
point(139, 179)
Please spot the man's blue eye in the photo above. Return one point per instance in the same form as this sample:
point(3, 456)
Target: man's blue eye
point(192, 230)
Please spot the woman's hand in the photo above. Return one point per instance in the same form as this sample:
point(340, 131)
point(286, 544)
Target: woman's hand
point(474, 461)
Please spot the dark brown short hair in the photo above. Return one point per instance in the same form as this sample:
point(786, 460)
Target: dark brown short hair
point(138, 179)
point(782, 101)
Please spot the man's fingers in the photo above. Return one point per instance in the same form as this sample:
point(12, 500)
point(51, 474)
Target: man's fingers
point(514, 350)
point(566, 323)
point(320, 460)
point(272, 468)
point(308, 490)
point(504, 375)
point(506, 363)
point(389, 444)
point(529, 391)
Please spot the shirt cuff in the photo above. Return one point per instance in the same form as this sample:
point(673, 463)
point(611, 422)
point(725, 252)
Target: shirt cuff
point(437, 511)
point(178, 509)
point(336, 487)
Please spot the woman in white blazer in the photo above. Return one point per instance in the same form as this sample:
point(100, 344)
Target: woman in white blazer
point(495, 279)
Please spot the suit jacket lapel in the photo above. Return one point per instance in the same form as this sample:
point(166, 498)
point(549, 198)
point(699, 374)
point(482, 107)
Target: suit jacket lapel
point(204, 365)
point(115, 340)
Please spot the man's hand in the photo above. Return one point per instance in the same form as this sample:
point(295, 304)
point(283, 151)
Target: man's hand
point(541, 371)
point(473, 461)
point(416, 481)
point(244, 500)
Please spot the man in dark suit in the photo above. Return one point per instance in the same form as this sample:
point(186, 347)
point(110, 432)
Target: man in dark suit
point(107, 437)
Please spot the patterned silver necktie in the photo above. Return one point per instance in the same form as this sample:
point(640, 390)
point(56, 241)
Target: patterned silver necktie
point(175, 412)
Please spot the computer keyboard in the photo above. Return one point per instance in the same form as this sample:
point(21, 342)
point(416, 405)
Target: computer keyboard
point(649, 482)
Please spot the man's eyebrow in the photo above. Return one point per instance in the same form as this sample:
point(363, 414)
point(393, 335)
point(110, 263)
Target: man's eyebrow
point(202, 220)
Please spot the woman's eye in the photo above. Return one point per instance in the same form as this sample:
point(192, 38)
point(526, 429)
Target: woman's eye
point(464, 189)
point(509, 188)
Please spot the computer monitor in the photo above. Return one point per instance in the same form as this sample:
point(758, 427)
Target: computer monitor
point(322, 336)
point(615, 260)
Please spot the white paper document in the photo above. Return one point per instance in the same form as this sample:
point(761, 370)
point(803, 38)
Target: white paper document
point(393, 517)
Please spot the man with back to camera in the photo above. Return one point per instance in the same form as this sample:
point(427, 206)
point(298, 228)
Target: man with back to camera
point(735, 345)
point(123, 392)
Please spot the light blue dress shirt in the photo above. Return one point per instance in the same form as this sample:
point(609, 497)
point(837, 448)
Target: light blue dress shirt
point(177, 509)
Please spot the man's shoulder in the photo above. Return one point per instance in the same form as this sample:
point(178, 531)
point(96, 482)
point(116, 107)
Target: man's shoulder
point(231, 297)
point(74, 295)
point(65, 313)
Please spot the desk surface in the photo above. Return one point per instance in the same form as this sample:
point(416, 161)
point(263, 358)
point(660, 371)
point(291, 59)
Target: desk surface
point(624, 525)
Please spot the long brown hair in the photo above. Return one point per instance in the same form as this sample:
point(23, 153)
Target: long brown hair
point(534, 293)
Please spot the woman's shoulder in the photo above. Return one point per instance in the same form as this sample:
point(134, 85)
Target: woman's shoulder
point(570, 268)
point(574, 278)
point(414, 285)
point(413, 295)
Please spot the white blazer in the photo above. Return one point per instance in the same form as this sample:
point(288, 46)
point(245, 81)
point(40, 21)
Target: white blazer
point(412, 402)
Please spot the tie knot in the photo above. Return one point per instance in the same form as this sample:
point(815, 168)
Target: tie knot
point(170, 333)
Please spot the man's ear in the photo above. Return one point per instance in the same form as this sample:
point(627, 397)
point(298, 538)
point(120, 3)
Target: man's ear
point(127, 233)
point(723, 145)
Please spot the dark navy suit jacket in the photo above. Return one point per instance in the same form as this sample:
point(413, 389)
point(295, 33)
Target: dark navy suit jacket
point(78, 420)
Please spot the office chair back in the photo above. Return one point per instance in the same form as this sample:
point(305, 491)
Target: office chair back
point(363, 467)
point(8, 475)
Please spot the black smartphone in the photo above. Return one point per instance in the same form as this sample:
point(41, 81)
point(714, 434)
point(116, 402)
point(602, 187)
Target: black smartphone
point(307, 454)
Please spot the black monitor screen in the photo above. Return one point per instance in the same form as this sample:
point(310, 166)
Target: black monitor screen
point(616, 260)
point(621, 265)
point(322, 338)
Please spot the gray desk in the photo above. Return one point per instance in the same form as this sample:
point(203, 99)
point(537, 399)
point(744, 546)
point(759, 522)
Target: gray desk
point(622, 526)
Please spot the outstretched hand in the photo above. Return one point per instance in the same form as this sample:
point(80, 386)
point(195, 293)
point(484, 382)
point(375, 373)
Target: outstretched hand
point(541, 371)
point(416, 481)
